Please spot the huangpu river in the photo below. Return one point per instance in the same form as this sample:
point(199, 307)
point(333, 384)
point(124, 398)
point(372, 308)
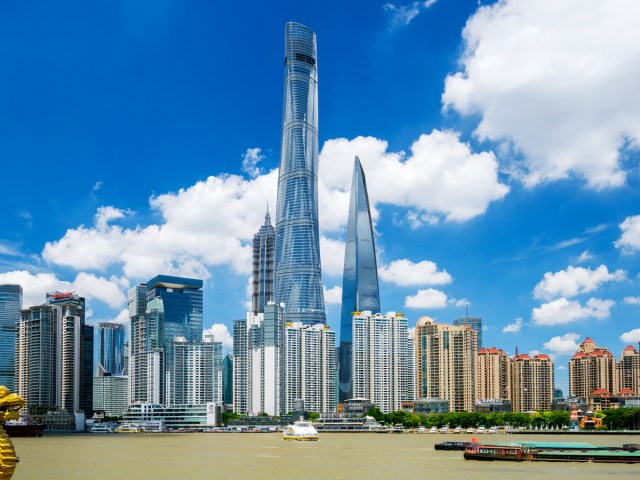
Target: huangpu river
point(356, 456)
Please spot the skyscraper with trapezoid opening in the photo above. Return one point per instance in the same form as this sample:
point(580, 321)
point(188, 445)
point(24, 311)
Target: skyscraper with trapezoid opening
point(298, 278)
point(360, 290)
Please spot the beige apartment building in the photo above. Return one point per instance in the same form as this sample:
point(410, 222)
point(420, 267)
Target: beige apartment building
point(531, 383)
point(445, 363)
point(493, 374)
point(591, 368)
point(628, 372)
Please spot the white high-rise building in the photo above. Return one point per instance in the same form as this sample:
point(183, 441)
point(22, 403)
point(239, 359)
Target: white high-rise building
point(381, 360)
point(310, 367)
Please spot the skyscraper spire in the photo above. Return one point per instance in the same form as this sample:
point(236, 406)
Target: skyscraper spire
point(360, 290)
point(298, 279)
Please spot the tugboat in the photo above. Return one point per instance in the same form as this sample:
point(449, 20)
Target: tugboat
point(300, 430)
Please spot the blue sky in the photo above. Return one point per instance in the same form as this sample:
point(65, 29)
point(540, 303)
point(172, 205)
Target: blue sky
point(500, 144)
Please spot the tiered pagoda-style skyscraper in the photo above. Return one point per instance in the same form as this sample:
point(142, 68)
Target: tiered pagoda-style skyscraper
point(263, 261)
point(298, 279)
point(360, 290)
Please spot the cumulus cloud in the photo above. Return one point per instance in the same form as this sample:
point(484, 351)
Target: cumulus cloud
point(110, 291)
point(441, 176)
point(121, 318)
point(403, 14)
point(629, 241)
point(429, 298)
point(332, 296)
point(536, 75)
point(562, 311)
point(574, 281)
point(221, 334)
point(407, 273)
point(632, 300)
point(632, 336)
point(250, 160)
point(563, 344)
point(514, 327)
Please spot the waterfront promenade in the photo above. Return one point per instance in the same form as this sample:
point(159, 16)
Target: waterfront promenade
point(268, 456)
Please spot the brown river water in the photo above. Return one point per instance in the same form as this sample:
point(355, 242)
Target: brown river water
point(357, 456)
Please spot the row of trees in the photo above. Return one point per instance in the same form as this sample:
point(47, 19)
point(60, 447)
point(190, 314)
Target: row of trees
point(621, 419)
point(553, 418)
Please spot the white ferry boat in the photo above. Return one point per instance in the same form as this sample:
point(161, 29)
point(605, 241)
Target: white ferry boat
point(100, 428)
point(127, 428)
point(300, 430)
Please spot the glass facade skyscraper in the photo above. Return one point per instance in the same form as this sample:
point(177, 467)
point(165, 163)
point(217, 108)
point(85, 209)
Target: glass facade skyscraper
point(10, 306)
point(111, 337)
point(298, 279)
point(474, 322)
point(263, 262)
point(360, 290)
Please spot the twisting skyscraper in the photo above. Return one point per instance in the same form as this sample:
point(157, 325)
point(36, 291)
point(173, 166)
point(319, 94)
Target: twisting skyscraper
point(360, 278)
point(263, 259)
point(298, 280)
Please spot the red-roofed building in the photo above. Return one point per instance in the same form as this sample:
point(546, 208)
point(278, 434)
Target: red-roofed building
point(591, 369)
point(493, 375)
point(531, 383)
point(628, 371)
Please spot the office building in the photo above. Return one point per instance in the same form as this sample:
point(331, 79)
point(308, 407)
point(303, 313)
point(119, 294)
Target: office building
point(110, 394)
point(10, 306)
point(531, 383)
point(227, 379)
point(628, 372)
point(381, 359)
point(138, 342)
point(111, 338)
point(298, 279)
point(591, 368)
point(263, 264)
point(153, 417)
point(240, 367)
point(360, 290)
point(309, 367)
point(446, 363)
point(493, 375)
point(474, 322)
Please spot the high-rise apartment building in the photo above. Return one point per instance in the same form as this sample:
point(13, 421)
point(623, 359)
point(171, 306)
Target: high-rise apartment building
point(138, 346)
point(240, 367)
point(51, 355)
point(493, 374)
point(111, 338)
point(110, 394)
point(309, 367)
point(628, 372)
point(298, 278)
point(10, 306)
point(591, 368)
point(531, 383)
point(381, 359)
point(446, 363)
point(263, 264)
point(474, 322)
point(360, 291)
point(195, 375)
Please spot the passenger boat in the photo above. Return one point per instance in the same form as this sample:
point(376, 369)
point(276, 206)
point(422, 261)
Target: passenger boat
point(100, 428)
point(127, 428)
point(497, 452)
point(454, 445)
point(300, 430)
point(24, 429)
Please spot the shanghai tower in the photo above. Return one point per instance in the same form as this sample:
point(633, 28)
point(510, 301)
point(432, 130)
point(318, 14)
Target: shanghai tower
point(298, 279)
point(360, 278)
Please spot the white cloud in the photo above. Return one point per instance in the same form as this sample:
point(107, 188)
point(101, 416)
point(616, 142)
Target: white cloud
point(411, 332)
point(584, 256)
point(536, 76)
point(574, 281)
point(250, 161)
point(121, 318)
point(110, 291)
point(629, 241)
point(429, 298)
point(562, 311)
point(403, 14)
point(514, 327)
point(561, 367)
point(97, 186)
point(440, 177)
point(405, 273)
point(221, 334)
point(332, 296)
point(332, 256)
point(563, 345)
point(632, 300)
point(632, 336)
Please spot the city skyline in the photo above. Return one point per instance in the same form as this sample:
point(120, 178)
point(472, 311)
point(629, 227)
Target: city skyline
point(531, 221)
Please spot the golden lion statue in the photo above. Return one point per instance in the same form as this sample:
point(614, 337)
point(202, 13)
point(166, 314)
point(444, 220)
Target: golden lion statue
point(10, 403)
